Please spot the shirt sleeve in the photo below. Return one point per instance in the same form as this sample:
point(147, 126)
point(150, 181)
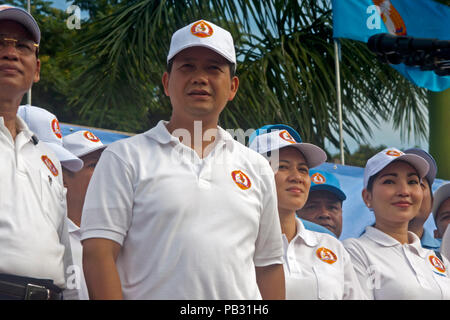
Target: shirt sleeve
point(107, 210)
point(365, 275)
point(352, 285)
point(269, 244)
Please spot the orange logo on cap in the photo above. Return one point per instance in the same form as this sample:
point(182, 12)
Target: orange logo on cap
point(241, 179)
point(391, 18)
point(56, 129)
point(394, 153)
point(202, 29)
point(437, 263)
point(50, 165)
point(286, 136)
point(326, 255)
point(317, 178)
point(90, 136)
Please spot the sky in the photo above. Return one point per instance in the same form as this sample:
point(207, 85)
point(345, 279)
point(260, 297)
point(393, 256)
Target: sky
point(384, 135)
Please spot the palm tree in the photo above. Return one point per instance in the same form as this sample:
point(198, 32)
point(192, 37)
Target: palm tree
point(285, 64)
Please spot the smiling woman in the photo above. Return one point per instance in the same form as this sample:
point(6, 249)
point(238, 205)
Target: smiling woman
point(389, 260)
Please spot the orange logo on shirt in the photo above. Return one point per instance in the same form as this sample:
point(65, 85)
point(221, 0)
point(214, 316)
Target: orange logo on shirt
point(437, 263)
point(90, 136)
point(326, 255)
point(317, 178)
point(391, 18)
point(286, 136)
point(394, 153)
point(241, 179)
point(50, 165)
point(202, 29)
point(56, 129)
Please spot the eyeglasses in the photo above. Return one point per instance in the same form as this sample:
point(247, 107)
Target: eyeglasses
point(25, 47)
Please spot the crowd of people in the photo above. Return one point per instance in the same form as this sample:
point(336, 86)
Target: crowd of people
point(184, 211)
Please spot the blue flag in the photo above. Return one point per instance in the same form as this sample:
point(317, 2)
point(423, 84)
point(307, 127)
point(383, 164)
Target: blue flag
point(361, 19)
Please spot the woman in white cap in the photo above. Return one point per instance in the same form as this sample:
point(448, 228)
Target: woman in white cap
point(389, 259)
point(316, 264)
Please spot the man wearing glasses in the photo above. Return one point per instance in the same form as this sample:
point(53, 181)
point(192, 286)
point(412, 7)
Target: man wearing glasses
point(34, 242)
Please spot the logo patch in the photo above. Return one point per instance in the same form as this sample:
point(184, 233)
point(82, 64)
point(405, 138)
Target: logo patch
point(394, 153)
point(202, 29)
point(50, 165)
point(391, 18)
point(90, 136)
point(437, 264)
point(326, 255)
point(318, 178)
point(241, 179)
point(287, 137)
point(56, 129)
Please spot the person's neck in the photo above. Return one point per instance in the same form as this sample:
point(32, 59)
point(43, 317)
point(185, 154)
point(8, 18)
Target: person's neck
point(196, 134)
point(8, 110)
point(74, 212)
point(288, 224)
point(416, 228)
point(397, 231)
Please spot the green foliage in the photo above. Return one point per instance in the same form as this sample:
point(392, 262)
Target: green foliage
point(108, 73)
point(285, 64)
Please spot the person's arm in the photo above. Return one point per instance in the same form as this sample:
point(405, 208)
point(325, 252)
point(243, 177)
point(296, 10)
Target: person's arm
point(270, 280)
point(100, 272)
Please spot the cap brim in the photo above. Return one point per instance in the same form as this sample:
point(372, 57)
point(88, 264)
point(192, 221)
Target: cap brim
point(323, 187)
point(91, 150)
point(67, 158)
point(204, 45)
point(22, 17)
point(440, 196)
point(313, 154)
point(419, 163)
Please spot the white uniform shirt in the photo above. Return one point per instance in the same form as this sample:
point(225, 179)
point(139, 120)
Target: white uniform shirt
point(78, 280)
point(318, 267)
point(190, 228)
point(445, 246)
point(389, 270)
point(33, 232)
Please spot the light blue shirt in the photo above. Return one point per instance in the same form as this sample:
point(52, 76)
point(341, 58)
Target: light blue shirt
point(429, 242)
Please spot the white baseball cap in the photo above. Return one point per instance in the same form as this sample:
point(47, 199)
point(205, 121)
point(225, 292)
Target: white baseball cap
point(439, 196)
point(81, 143)
point(46, 127)
point(383, 158)
point(275, 137)
point(203, 34)
point(21, 16)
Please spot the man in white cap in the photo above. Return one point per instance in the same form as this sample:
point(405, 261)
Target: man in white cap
point(87, 147)
point(183, 211)
point(35, 249)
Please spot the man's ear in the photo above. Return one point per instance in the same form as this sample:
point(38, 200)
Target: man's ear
point(234, 88)
point(37, 74)
point(165, 83)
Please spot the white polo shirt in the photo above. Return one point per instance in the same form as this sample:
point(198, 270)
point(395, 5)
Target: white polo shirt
point(317, 267)
point(34, 239)
point(389, 270)
point(445, 246)
point(190, 228)
point(77, 279)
